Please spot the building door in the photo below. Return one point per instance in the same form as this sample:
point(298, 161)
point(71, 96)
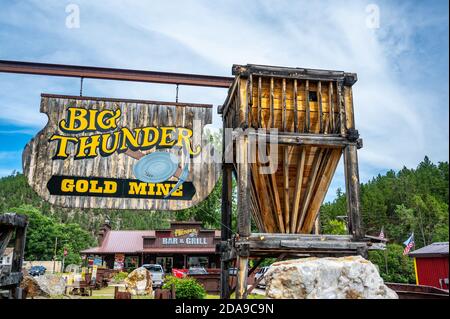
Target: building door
point(166, 263)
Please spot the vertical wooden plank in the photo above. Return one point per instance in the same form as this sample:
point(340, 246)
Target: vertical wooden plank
point(227, 193)
point(19, 248)
point(295, 98)
point(278, 209)
point(272, 113)
point(283, 103)
point(260, 122)
point(324, 183)
point(298, 188)
point(331, 106)
point(243, 187)
point(242, 276)
point(310, 186)
point(286, 188)
point(352, 190)
point(307, 116)
point(340, 102)
point(319, 106)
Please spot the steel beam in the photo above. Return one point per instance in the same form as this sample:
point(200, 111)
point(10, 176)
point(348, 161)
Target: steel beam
point(89, 72)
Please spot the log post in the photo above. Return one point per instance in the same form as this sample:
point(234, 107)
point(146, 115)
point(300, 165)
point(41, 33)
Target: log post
point(225, 228)
point(352, 190)
point(244, 221)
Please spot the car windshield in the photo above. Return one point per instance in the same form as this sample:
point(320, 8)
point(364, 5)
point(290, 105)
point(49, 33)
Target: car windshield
point(153, 268)
point(197, 271)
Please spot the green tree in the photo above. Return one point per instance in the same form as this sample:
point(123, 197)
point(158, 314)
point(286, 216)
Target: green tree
point(399, 268)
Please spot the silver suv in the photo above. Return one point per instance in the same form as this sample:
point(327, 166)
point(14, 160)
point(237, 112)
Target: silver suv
point(157, 272)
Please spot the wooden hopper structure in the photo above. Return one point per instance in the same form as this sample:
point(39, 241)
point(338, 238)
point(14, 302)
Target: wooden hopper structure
point(311, 112)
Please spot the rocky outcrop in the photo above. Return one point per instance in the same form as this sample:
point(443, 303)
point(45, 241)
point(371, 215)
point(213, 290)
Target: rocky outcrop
point(139, 282)
point(43, 286)
point(32, 288)
point(326, 278)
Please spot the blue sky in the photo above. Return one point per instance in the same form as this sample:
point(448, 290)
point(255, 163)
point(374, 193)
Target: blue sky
point(401, 98)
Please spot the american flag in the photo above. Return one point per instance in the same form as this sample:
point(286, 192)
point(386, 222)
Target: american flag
point(381, 235)
point(409, 243)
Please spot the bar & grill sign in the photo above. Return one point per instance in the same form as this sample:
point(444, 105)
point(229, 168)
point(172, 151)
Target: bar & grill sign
point(123, 154)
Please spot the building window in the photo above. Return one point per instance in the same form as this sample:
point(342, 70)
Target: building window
point(198, 262)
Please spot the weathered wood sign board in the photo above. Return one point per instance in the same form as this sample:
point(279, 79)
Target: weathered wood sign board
point(121, 154)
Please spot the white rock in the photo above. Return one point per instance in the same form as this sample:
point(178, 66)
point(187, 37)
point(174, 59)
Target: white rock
point(326, 278)
point(139, 282)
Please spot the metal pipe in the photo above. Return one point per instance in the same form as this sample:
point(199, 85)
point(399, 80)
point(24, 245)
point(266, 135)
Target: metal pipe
point(114, 74)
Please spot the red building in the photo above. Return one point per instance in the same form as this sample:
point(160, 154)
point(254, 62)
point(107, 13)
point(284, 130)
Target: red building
point(183, 245)
point(431, 265)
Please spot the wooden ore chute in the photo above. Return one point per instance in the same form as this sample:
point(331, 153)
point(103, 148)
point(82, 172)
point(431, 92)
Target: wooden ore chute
point(312, 111)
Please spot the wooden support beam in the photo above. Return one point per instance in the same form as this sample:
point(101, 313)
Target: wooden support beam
point(352, 190)
point(283, 105)
point(242, 277)
point(89, 72)
point(286, 188)
point(286, 138)
point(260, 121)
point(309, 188)
point(244, 221)
point(295, 97)
point(341, 107)
point(298, 188)
point(331, 107)
point(319, 106)
point(271, 103)
point(307, 114)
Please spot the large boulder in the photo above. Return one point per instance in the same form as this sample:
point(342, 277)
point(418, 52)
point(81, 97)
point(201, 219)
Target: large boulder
point(43, 286)
point(30, 285)
point(326, 278)
point(54, 285)
point(139, 282)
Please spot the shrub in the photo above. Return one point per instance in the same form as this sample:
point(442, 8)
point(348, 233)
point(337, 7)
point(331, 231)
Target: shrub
point(120, 276)
point(185, 288)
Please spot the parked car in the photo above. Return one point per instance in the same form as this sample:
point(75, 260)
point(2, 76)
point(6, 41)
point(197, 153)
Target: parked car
point(232, 271)
point(261, 272)
point(157, 272)
point(197, 271)
point(37, 271)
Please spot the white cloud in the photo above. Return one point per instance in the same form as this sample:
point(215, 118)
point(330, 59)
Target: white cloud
point(399, 122)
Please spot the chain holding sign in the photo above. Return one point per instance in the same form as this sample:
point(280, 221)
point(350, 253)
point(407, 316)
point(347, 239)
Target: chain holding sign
point(121, 154)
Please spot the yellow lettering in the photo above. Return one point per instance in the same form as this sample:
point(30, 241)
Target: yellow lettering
point(61, 147)
point(90, 143)
point(166, 136)
point(82, 186)
point(67, 185)
point(128, 139)
point(162, 189)
point(137, 188)
point(150, 137)
point(110, 187)
point(76, 120)
point(107, 119)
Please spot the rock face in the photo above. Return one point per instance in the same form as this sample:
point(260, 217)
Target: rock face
point(43, 286)
point(326, 278)
point(139, 282)
point(31, 286)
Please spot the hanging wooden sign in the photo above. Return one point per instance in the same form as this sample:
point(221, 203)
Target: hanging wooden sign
point(122, 154)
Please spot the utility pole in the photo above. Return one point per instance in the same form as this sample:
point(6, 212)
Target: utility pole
point(54, 254)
